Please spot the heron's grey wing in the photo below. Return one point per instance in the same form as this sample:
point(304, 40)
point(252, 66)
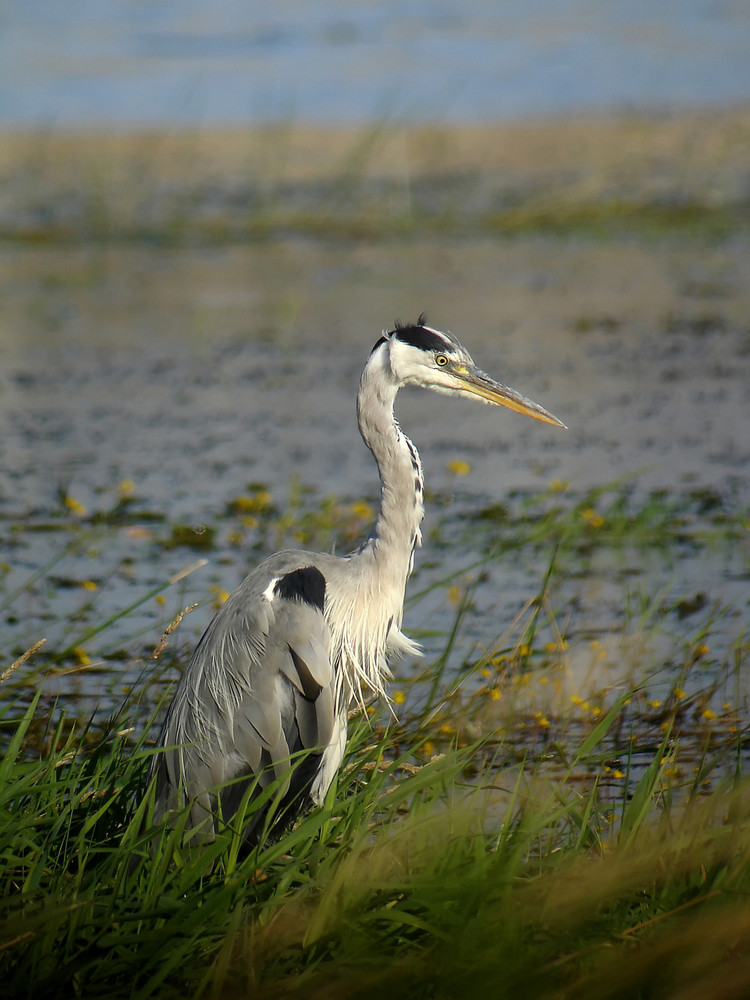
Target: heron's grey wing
point(258, 689)
point(289, 704)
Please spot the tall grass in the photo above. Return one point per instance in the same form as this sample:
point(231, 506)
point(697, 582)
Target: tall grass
point(414, 880)
point(484, 843)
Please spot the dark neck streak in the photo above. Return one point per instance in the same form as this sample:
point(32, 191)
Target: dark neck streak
point(396, 532)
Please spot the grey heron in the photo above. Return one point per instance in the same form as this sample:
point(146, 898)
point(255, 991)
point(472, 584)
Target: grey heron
point(307, 635)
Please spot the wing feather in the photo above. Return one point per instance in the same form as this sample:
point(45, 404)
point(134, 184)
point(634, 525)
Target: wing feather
point(258, 689)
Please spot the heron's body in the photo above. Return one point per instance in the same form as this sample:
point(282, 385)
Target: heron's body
point(308, 634)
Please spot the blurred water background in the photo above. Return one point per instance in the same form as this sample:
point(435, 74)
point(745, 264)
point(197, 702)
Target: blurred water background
point(208, 212)
point(135, 63)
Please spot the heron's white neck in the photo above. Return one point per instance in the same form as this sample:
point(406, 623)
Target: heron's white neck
point(396, 532)
point(365, 615)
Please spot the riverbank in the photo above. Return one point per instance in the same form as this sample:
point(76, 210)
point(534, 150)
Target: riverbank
point(655, 173)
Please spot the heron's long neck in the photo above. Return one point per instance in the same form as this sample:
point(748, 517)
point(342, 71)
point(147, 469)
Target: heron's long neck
point(365, 616)
point(396, 532)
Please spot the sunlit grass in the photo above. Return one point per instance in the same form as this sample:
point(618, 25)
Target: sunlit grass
point(550, 810)
point(422, 877)
point(190, 188)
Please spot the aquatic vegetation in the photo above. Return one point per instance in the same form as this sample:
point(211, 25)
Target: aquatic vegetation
point(434, 873)
point(556, 805)
point(385, 181)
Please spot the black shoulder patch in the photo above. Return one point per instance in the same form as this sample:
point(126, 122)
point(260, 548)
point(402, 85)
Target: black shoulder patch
point(422, 338)
point(307, 585)
point(383, 340)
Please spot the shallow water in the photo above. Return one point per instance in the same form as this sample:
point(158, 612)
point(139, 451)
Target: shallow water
point(193, 373)
point(190, 63)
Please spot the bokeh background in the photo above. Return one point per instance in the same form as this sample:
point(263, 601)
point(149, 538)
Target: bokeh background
point(132, 64)
point(208, 212)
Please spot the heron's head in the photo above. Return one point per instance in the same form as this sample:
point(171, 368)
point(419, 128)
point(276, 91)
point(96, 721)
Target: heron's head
point(419, 355)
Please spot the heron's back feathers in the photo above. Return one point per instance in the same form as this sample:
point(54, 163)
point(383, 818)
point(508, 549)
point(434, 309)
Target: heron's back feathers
point(258, 691)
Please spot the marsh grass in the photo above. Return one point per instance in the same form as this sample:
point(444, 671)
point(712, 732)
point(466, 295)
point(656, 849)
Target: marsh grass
point(555, 812)
point(384, 181)
point(413, 879)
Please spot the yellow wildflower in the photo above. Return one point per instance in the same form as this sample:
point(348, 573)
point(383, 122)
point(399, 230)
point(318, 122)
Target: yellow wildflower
point(220, 595)
point(75, 506)
point(362, 510)
point(246, 504)
point(458, 467)
point(592, 518)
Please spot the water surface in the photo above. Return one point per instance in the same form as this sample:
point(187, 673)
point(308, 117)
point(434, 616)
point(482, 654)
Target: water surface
point(194, 373)
point(124, 63)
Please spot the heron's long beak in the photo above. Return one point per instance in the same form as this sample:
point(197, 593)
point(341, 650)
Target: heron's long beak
point(479, 383)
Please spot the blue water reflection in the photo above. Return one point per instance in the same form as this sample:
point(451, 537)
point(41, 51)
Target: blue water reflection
point(136, 62)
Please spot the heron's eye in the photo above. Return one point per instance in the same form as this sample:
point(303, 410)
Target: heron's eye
point(441, 361)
